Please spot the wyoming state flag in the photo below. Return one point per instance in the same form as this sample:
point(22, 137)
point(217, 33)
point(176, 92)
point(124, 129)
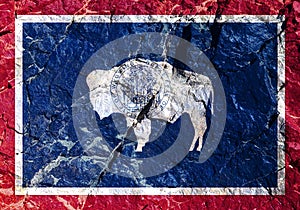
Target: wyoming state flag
point(118, 109)
point(150, 105)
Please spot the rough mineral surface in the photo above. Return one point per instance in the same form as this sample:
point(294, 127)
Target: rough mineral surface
point(231, 76)
point(139, 86)
point(54, 154)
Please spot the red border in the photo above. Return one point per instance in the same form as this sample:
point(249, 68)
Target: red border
point(8, 10)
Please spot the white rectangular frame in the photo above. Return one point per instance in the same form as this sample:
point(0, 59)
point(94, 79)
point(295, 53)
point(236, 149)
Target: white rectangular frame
point(20, 190)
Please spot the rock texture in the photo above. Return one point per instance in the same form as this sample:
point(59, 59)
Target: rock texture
point(169, 97)
point(9, 11)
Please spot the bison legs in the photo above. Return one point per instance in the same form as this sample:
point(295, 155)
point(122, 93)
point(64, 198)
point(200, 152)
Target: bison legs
point(141, 130)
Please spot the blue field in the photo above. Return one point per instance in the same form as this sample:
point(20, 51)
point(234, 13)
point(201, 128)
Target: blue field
point(245, 57)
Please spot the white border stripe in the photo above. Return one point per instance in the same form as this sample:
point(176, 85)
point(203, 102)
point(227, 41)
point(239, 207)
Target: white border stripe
point(147, 191)
point(281, 108)
point(19, 190)
point(150, 18)
point(18, 105)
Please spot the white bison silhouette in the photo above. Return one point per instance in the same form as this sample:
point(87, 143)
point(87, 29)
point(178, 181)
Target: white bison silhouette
point(184, 91)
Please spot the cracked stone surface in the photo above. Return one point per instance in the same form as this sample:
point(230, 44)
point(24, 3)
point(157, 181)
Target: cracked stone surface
point(246, 65)
point(169, 103)
point(63, 159)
